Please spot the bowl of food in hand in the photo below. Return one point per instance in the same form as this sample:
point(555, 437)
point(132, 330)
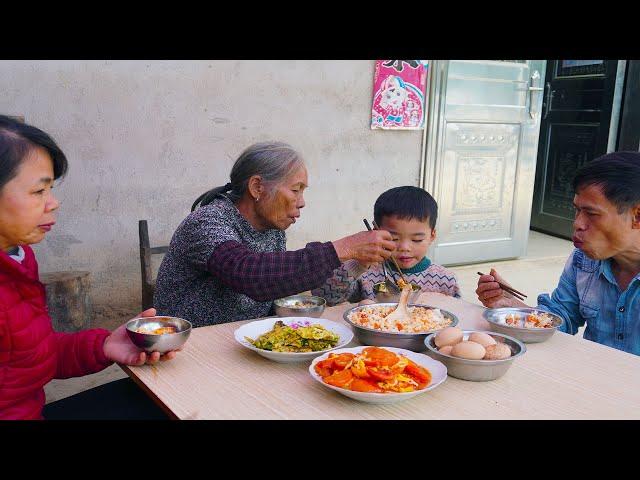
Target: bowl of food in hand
point(474, 355)
point(386, 294)
point(374, 324)
point(158, 334)
point(292, 339)
point(528, 325)
point(300, 306)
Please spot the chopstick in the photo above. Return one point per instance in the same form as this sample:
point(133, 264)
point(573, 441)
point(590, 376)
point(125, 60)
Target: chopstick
point(375, 226)
point(507, 288)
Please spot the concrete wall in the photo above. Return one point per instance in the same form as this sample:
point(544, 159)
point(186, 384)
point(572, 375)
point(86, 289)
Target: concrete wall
point(145, 138)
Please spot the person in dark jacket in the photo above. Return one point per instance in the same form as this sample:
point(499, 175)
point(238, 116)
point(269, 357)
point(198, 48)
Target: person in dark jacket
point(31, 353)
point(227, 260)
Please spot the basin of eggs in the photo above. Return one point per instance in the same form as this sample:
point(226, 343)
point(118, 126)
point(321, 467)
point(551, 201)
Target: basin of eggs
point(478, 346)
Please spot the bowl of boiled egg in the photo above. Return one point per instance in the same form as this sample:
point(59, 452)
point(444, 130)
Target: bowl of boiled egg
point(473, 355)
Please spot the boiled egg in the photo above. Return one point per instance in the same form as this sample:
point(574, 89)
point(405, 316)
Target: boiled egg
point(448, 336)
point(468, 350)
point(499, 351)
point(446, 350)
point(482, 338)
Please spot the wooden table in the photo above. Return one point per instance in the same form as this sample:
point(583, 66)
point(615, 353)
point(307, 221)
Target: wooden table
point(565, 377)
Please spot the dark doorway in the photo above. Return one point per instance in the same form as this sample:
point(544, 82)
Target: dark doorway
point(574, 129)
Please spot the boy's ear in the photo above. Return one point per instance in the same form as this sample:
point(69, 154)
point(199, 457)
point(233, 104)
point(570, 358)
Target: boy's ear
point(433, 234)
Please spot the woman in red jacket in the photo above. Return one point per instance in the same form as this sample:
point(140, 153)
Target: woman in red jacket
point(31, 353)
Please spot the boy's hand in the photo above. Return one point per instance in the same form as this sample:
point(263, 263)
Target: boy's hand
point(366, 247)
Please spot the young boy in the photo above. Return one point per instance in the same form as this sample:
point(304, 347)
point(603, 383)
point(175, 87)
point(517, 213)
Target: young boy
point(409, 214)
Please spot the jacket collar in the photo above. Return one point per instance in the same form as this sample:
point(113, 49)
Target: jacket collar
point(28, 269)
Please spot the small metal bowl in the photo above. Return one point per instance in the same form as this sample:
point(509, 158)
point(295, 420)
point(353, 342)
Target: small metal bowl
point(291, 306)
point(408, 341)
point(163, 343)
point(383, 295)
point(477, 370)
point(496, 316)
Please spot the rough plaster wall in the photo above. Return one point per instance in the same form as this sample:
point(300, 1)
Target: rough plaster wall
point(145, 138)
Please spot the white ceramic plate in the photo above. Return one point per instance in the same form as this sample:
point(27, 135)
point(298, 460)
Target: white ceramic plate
point(257, 328)
point(437, 369)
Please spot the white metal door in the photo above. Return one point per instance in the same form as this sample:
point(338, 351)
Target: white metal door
point(481, 157)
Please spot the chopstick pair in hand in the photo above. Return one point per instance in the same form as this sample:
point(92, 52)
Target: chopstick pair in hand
point(375, 226)
point(507, 288)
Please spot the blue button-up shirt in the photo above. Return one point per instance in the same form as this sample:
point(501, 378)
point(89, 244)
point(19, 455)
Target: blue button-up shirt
point(588, 293)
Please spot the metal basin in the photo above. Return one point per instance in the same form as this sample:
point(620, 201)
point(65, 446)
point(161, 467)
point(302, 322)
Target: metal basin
point(408, 341)
point(293, 306)
point(477, 370)
point(163, 343)
point(496, 316)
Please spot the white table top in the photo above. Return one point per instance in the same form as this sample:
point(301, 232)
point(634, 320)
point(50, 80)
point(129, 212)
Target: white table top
point(565, 377)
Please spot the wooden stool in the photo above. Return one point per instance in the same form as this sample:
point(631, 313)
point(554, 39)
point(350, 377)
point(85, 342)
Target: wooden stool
point(68, 300)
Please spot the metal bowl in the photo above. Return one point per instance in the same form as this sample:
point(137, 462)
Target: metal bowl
point(477, 370)
point(496, 316)
point(163, 343)
point(286, 307)
point(385, 296)
point(408, 341)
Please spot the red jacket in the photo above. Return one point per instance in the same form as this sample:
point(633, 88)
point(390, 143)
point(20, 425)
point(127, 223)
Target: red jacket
point(31, 353)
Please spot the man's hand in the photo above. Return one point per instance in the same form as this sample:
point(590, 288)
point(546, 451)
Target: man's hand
point(119, 348)
point(492, 296)
point(366, 247)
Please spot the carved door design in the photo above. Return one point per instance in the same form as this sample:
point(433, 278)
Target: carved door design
point(481, 166)
point(576, 116)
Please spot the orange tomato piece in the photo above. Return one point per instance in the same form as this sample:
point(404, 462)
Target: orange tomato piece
point(323, 372)
point(361, 385)
point(383, 358)
point(383, 373)
point(342, 360)
point(326, 363)
point(419, 373)
point(340, 378)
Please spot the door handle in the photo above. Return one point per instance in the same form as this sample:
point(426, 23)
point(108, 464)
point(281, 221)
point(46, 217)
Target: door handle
point(533, 89)
point(547, 100)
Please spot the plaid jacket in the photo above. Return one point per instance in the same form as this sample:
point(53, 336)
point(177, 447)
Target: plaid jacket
point(272, 275)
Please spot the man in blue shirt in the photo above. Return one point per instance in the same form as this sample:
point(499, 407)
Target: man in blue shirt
point(600, 284)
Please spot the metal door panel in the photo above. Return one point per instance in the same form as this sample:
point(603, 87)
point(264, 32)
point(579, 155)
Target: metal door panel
point(485, 160)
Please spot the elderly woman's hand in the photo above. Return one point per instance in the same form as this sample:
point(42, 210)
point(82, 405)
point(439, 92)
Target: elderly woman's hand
point(367, 247)
point(119, 348)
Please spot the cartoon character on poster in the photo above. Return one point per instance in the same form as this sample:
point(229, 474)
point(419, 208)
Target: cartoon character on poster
point(398, 100)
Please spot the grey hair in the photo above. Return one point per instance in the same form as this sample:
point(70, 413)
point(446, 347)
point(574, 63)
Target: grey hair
point(272, 161)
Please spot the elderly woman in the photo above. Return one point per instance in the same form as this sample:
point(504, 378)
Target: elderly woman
point(227, 260)
point(31, 353)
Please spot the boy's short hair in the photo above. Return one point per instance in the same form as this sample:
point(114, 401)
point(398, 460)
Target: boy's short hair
point(406, 203)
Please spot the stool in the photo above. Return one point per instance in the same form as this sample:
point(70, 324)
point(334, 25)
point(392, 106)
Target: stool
point(68, 300)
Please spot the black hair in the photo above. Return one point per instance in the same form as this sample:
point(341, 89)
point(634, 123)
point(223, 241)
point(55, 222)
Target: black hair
point(618, 174)
point(407, 203)
point(17, 139)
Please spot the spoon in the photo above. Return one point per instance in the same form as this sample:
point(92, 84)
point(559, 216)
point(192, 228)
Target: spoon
point(401, 314)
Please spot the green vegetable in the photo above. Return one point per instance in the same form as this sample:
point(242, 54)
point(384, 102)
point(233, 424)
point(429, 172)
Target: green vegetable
point(285, 338)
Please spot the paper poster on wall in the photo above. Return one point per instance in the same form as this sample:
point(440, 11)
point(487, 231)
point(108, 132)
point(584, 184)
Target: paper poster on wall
point(398, 94)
